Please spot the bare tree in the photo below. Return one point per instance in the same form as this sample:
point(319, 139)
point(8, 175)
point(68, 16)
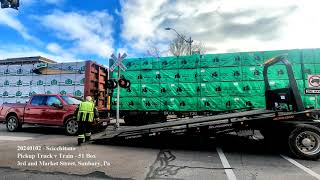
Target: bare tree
point(199, 48)
point(154, 51)
point(179, 46)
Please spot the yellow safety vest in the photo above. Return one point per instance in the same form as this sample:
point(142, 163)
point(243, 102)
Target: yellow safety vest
point(86, 112)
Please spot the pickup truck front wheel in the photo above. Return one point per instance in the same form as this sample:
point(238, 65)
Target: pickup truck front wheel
point(13, 123)
point(71, 126)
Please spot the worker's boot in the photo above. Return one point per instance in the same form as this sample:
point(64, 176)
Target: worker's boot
point(88, 137)
point(80, 139)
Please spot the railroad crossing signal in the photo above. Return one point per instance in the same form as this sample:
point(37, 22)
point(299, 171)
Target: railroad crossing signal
point(121, 82)
point(118, 62)
point(112, 83)
point(124, 83)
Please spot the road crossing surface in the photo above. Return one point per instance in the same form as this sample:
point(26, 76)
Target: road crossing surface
point(227, 158)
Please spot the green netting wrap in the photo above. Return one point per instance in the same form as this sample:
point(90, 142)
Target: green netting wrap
point(317, 68)
point(148, 104)
point(146, 63)
point(133, 90)
point(169, 76)
point(308, 69)
point(271, 54)
point(297, 71)
point(215, 60)
point(169, 104)
point(278, 71)
point(211, 81)
point(317, 56)
point(278, 84)
point(232, 102)
point(231, 89)
point(156, 63)
point(251, 58)
point(301, 85)
point(188, 61)
point(127, 103)
point(210, 89)
point(187, 103)
point(231, 73)
point(113, 74)
point(179, 104)
point(294, 56)
point(187, 75)
point(209, 104)
point(169, 63)
point(257, 101)
point(309, 101)
point(150, 76)
point(188, 89)
point(209, 60)
point(132, 63)
point(229, 59)
point(133, 76)
point(250, 88)
point(209, 74)
point(168, 90)
point(150, 90)
point(310, 56)
point(250, 73)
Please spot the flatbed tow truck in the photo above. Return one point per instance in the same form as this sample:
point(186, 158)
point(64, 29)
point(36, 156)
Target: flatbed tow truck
point(283, 120)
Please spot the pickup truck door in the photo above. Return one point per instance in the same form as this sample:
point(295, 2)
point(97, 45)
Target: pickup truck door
point(34, 110)
point(54, 111)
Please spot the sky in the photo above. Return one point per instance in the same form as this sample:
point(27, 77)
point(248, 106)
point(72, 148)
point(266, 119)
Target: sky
point(77, 30)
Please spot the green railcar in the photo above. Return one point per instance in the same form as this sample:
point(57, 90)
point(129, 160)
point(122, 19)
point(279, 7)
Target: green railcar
point(211, 82)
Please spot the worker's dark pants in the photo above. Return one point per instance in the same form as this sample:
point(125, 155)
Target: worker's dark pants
point(84, 131)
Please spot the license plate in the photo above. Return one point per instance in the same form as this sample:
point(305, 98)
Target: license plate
point(104, 123)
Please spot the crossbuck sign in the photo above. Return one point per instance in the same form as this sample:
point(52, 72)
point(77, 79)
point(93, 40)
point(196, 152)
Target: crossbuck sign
point(118, 62)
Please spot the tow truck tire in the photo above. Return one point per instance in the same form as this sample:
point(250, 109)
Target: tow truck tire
point(304, 142)
point(71, 126)
point(12, 123)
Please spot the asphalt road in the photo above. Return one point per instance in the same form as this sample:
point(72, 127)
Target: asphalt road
point(179, 157)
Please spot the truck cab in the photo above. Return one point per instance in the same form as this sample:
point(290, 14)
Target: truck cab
point(49, 109)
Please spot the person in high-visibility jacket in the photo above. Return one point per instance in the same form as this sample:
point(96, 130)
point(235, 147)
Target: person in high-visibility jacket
point(86, 113)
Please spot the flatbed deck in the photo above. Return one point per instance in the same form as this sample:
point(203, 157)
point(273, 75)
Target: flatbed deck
point(183, 124)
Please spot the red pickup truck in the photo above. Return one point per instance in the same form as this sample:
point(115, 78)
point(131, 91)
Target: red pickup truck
point(56, 110)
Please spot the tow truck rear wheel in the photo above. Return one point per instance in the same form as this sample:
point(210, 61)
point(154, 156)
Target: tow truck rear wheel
point(304, 142)
point(12, 123)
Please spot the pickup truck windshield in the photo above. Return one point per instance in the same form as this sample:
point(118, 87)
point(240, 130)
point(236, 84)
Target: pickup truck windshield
point(70, 100)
